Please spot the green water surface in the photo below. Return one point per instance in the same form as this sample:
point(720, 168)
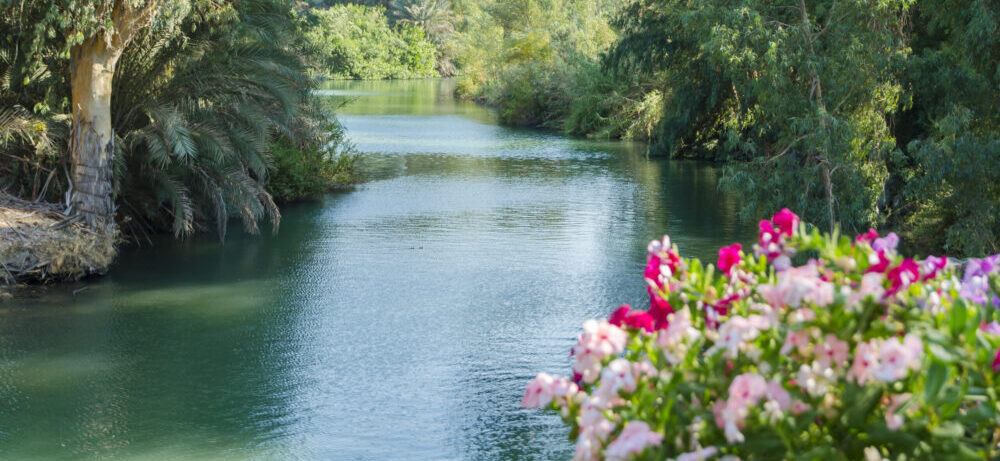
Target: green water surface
point(398, 320)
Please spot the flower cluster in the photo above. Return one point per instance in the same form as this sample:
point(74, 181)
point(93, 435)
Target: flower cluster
point(811, 346)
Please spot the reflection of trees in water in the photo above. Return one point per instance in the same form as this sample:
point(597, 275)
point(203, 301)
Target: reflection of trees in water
point(432, 96)
point(189, 357)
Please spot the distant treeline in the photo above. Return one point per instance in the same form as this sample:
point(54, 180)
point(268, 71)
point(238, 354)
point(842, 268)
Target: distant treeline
point(879, 113)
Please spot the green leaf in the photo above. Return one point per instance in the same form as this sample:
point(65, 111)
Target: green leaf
point(937, 374)
point(948, 430)
point(957, 319)
point(861, 402)
point(941, 353)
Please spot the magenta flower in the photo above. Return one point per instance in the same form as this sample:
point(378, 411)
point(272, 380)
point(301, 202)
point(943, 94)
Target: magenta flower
point(903, 275)
point(659, 309)
point(617, 318)
point(652, 271)
point(878, 262)
point(769, 240)
point(932, 266)
point(635, 319)
point(867, 237)
point(996, 362)
point(786, 221)
point(640, 320)
point(729, 256)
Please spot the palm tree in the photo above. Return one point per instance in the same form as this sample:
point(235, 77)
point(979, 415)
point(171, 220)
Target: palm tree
point(433, 16)
point(195, 116)
point(437, 20)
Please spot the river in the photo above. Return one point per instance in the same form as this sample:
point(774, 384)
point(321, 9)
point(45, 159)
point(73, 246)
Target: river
point(397, 320)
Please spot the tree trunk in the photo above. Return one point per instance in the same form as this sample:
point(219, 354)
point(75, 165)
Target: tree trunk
point(91, 146)
point(817, 88)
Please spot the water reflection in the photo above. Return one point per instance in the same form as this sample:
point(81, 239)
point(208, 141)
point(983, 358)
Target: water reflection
point(400, 320)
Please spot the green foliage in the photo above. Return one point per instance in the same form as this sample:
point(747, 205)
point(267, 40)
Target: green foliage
point(357, 42)
point(309, 171)
point(523, 56)
point(791, 94)
point(437, 19)
point(950, 198)
point(197, 103)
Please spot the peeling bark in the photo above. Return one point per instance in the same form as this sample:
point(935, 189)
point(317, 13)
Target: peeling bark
point(91, 147)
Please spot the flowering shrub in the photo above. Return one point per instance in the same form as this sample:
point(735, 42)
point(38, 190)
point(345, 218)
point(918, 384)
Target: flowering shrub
point(810, 347)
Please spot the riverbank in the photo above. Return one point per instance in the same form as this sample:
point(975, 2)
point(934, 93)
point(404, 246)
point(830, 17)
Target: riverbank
point(38, 243)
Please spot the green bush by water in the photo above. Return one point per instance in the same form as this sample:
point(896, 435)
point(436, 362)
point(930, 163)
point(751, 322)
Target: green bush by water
point(357, 42)
point(305, 172)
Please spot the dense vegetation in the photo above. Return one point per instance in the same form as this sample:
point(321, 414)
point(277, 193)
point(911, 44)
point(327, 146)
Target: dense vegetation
point(858, 113)
point(201, 94)
point(357, 42)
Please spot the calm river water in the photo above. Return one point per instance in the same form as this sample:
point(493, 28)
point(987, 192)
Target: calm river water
point(399, 320)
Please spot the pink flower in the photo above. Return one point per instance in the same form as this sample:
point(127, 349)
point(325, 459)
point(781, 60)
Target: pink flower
point(730, 415)
point(897, 358)
point(769, 243)
point(786, 221)
point(594, 428)
point(865, 362)
point(799, 340)
point(590, 440)
point(544, 388)
point(632, 441)
point(672, 339)
point(661, 265)
point(903, 275)
point(777, 393)
point(700, 454)
point(772, 239)
point(892, 420)
point(867, 237)
point(643, 367)
point(800, 407)
point(598, 341)
point(996, 361)
point(796, 285)
point(871, 286)
point(588, 446)
point(617, 376)
point(733, 335)
point(729, 256)
point(992, 328)
point(747, 389)
point(832, 351)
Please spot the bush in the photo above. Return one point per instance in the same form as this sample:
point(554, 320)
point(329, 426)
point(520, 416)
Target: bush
point(357, 42)
point(308, 171)
point(812, 347)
